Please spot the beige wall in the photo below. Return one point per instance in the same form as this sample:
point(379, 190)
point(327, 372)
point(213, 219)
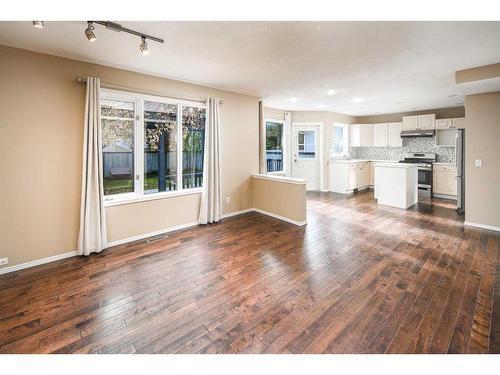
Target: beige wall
point(478, 73)
point(280, 198)
point(482, 134)
point(397, 117)
point(41, 129)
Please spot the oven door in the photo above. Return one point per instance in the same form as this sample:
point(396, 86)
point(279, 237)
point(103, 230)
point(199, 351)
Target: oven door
point(425, 178)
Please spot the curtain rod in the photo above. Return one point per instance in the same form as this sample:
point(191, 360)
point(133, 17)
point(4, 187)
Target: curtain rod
point(146, 92)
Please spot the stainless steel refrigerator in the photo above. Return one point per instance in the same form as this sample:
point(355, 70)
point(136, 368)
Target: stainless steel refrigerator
point(460, 163)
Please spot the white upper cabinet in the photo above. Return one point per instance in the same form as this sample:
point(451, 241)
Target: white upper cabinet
point(366, 135)
point(426, 122)
point(380, 135)
point(420, 122)
point(355, 136)
point(410, 122)
point(394, 134)
point(458, 123)
point(444, 123)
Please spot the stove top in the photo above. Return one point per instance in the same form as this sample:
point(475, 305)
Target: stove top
point(420, 158)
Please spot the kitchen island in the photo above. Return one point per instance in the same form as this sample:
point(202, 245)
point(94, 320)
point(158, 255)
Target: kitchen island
point(396, 184)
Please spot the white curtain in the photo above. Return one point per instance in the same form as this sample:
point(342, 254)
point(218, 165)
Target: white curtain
point(210, 204)
point(92, 236)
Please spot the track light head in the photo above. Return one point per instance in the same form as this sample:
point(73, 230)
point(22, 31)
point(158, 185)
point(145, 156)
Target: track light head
point(144, 47)
point(89, 32)
point(38, 24)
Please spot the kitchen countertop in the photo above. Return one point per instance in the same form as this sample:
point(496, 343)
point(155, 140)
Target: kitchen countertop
point(360, 161)
point(443, 163)
point(396, 165)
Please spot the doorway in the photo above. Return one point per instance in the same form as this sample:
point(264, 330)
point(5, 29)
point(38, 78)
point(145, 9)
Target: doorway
point(306, 154)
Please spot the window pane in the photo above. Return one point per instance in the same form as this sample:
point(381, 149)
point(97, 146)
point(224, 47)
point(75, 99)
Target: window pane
point(307, 144)
point(117, 120)
point(160, 147)
point(338, 140)
point(193, 141)
point(274, 146)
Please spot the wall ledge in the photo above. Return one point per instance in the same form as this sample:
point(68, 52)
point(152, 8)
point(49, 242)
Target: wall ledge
point(289, 180)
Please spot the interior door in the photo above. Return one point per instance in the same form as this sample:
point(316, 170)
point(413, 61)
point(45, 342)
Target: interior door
point(305, 154)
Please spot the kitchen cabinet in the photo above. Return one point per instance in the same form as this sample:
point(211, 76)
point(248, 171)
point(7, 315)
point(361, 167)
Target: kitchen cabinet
point(346, 175)
point(446, 137)
point(361, 135)
point(450, 123)
point(444, 180)
point(394, 134)
point(380, 138)
point(458, 123)
point(419, 122)
point(410, 122)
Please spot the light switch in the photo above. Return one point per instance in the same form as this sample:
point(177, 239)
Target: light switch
point(479, 163)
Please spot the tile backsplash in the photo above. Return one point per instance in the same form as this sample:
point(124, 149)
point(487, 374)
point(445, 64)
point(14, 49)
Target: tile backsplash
point(444, 154)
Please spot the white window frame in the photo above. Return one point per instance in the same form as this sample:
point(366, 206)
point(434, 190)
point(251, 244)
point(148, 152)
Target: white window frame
point(138, 194)
point(283, 145)
point(346, 139)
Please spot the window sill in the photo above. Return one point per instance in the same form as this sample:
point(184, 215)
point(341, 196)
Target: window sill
point(151, 197)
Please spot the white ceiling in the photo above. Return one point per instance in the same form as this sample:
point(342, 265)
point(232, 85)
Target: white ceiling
point(373, 67)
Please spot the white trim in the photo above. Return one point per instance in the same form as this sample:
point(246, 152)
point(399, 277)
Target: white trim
point(151, 197)
point(298, 223)
point(444, 196)
point(151, 234)
point(288, 180)
point(235, 213)
point(319, 150)
point(283, 145)
point(37, 262)
point(482, 226)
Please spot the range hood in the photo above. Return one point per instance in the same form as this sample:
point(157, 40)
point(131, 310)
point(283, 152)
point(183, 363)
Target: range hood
point(417, 133)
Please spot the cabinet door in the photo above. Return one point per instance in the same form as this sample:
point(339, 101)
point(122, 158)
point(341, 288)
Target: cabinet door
point(372, 173)
point(353, 177)
point(394, 134)
point(366, 135)
point(355, 135)
point(458, 123)
point(444, 123)
point(444, 182)
point(380, 135)
point(427, 121)
point(366, 174)
point(410, 122)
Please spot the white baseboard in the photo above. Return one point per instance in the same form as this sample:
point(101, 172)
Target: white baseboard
point(299, 223)
point(482, 226)
point(444, 196)
point(37, 262)
point(151, 234)
point(235, 213)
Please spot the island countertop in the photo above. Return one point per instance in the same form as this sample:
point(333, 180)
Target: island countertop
point(396, 165)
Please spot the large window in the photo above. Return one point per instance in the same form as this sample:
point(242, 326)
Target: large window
point(274, 146)
point(340, 139)
point(169, 135)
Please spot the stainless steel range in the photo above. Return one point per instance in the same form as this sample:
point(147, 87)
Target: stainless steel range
point(424, 161)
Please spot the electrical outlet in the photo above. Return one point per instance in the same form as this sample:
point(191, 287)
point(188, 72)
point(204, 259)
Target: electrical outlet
point(228, 199)
point(479, 163)
point(4, 261)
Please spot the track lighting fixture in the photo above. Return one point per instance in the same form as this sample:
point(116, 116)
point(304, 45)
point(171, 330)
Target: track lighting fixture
point(38, 24)
point(144, 47)
point(89, 32)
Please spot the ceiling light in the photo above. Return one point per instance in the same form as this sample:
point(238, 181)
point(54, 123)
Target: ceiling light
point(357, 100)
point(321, 105)
point(293, 99)
point(89, 32)
point(38, 24)
point(144, 47)
point(331, 92)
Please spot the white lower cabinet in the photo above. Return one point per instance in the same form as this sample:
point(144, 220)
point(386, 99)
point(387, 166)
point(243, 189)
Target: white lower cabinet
point(345, 176)
point(444, 180)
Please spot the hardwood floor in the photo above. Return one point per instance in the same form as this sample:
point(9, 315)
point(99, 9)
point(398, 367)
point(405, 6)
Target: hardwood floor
point(357, 279)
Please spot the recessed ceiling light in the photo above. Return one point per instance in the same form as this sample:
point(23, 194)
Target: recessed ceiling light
point(321, 105)
point(38, 24)
point(357, 100)
point(331, 92)
point(293, 99)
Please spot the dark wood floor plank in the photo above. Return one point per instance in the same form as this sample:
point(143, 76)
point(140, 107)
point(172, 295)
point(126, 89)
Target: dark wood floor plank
point(358, 278)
